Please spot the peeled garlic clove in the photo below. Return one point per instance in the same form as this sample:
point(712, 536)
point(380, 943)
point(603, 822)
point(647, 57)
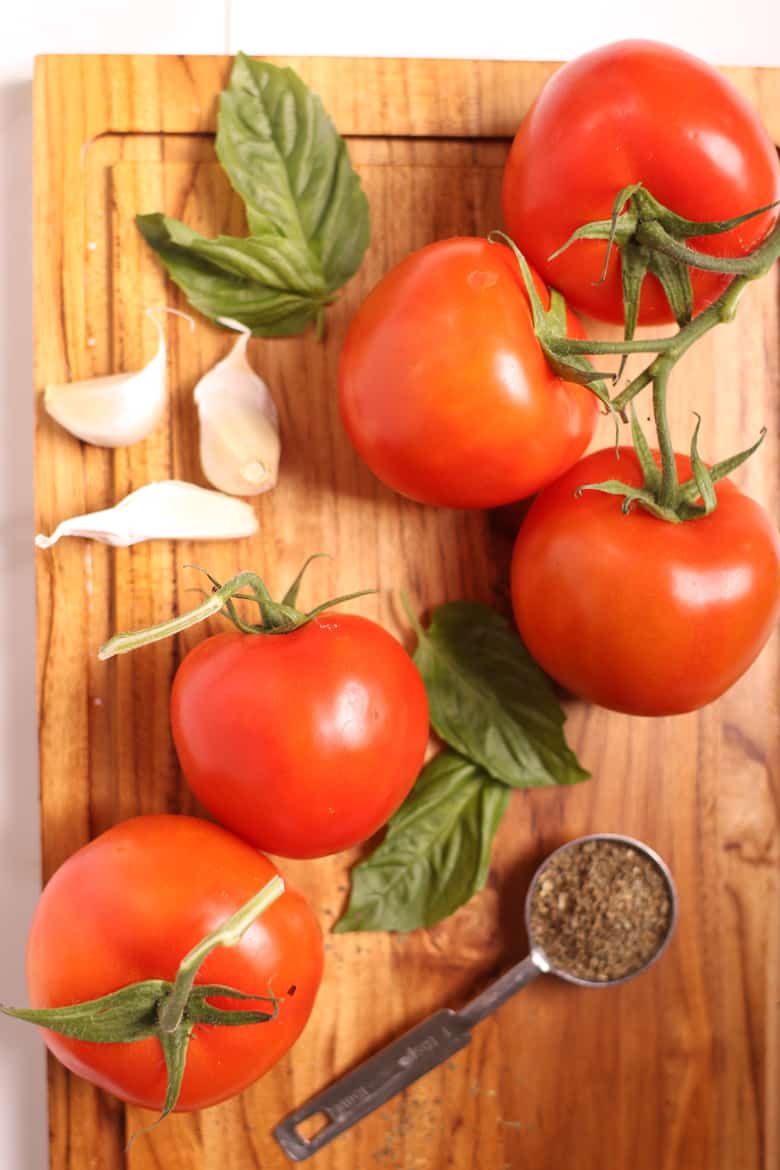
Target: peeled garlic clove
point(116, 410)
point(167, 510)
point(239, 426)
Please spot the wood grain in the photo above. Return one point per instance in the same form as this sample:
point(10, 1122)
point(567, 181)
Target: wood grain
point(675, 1071)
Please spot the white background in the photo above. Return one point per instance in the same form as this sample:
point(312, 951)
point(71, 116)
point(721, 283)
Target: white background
point(748, 33)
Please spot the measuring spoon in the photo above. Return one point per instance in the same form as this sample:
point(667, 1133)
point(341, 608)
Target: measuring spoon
point(444, 1033)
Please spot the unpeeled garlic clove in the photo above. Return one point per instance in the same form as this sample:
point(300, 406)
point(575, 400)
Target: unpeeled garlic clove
point(239, 425)
point(118, 409)
point(167, 510)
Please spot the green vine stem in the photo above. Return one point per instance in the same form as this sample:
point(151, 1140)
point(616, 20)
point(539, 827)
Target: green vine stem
point(665, 498)
point(278, 617)
point(166, 1011)
point(669, 489)
point(652, 235)
point(721, 311)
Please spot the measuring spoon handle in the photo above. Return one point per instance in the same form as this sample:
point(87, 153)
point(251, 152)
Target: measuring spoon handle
point(373, 1082)
point(500, 991)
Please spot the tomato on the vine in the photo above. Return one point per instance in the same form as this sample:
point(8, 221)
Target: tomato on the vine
point(305, 742)
point(637, 614)
point(128, 907)
point(636, 112)
point(443, 388)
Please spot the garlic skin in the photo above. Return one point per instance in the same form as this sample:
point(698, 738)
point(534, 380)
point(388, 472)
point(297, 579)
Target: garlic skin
point(116, 410)
point(167, 510)
point(239, 424)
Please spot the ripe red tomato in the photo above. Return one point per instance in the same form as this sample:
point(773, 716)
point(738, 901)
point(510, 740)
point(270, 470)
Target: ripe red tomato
point(635, 111)
point(303, 743)
point(128, 907)
point(637, 614)
point(444, 390)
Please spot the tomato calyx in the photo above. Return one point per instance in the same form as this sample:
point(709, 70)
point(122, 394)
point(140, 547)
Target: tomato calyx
point(653, 239)
point(167, 1011)
point(661, 494)
point(683, 505)
point(550, 329)
point(278, 617)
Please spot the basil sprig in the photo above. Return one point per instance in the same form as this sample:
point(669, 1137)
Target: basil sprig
point(490, 700)
point(493, 704)
point(306, 210)
point(436, 851)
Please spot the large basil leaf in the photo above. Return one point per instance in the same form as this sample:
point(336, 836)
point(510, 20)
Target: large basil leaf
point(265, 282)
point(436, 852)
point(289, 164)
point(490, 701)
point(307, 213)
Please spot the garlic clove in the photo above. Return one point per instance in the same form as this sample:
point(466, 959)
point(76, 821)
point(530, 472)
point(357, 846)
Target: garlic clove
point(239, 425)
point(166, 510)
point(118, 409)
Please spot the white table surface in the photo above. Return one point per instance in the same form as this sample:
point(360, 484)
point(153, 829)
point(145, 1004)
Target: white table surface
point(748, 34)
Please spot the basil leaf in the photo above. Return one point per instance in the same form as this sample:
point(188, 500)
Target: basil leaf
point(265, 282)
point(307, 212)
point(490, 701)
point(290, 165)
point(436, 852)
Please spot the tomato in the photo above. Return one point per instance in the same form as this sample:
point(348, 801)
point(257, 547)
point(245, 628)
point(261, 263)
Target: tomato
point(303, 743)
point(128, 907)
point(637, 614)
point(443, 388)
point(630, 112)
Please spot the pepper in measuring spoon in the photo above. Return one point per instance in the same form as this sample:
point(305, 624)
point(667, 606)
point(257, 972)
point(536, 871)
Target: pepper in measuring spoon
point(600, 911)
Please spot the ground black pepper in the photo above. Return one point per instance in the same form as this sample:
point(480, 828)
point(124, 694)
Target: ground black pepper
point(601, 910)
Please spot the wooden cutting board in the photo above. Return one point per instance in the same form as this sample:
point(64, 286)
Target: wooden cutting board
point(678, 1070)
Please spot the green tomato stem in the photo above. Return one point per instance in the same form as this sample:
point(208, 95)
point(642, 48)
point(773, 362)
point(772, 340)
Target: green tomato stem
point(123, 643)
point(570, 346)
point(720, 311)
point(279, 617)
point(653, 235)
point(227, 935)
point(668, 498)
point(634, 387)
point(670, 484)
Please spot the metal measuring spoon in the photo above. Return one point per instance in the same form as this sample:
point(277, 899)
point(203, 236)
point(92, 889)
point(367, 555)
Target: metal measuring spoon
point(444, 1033)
